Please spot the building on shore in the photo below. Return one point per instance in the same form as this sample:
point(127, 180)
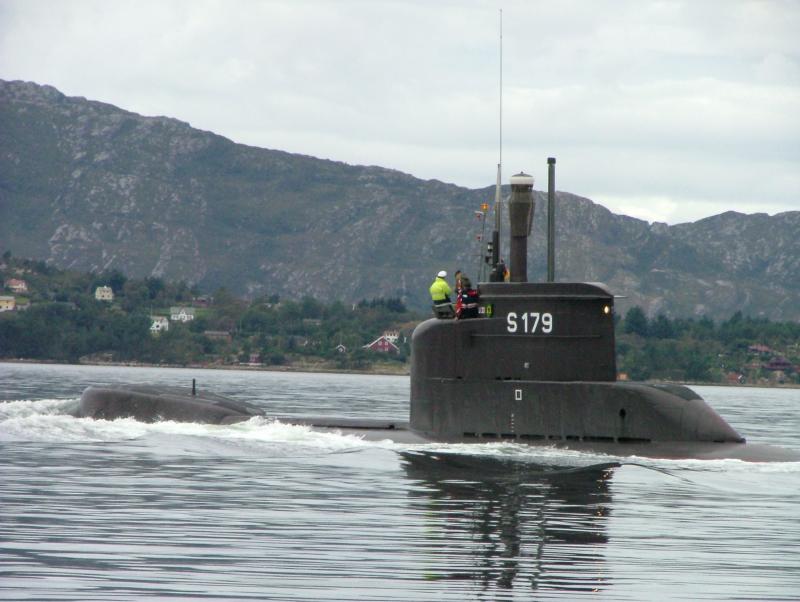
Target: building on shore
point(382, 345)
point(159, 324)
point(104, 293)
point(181, 314)
point(16, 285)
point(7, 303)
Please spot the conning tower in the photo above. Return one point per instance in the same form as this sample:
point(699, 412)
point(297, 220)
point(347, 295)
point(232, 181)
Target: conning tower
point(540, 365)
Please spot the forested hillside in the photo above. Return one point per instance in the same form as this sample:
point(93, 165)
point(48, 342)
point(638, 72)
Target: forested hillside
point(88, 186)
point(58, 318)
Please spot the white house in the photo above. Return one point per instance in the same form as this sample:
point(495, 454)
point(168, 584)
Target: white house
point(104, 293)
point(17, 286)
point(391, 336)
point(159, 323)
point(181, 314)
point(7, 303)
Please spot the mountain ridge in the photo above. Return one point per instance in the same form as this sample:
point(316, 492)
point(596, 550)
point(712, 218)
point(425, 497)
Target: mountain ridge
point(86, 185)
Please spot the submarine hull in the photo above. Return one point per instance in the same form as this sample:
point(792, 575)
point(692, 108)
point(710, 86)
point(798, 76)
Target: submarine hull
point(662, 450)
point(147, 403)
point(594, 412)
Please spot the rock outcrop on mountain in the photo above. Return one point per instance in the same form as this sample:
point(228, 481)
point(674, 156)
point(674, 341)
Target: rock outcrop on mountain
point(89, 186)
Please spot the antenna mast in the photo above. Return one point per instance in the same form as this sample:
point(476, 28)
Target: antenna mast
point(496, 276)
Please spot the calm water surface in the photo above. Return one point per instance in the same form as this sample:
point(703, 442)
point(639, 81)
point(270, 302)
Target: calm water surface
point(120, 510)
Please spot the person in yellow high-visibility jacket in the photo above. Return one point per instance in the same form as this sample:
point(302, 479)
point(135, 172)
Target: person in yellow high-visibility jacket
point(440, 290)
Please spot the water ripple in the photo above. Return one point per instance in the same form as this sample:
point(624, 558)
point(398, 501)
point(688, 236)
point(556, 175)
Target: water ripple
point(99, 510)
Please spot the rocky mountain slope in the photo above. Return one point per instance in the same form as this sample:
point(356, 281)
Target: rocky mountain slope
point(89, 186)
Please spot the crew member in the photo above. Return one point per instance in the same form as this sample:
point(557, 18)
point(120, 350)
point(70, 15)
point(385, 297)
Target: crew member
point(440, 290)
point(457, 289)
point(467, 304)
point(503, 270)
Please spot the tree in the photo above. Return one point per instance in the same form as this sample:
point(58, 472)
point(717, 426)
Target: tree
point(116, 280)
point(154, 286)
point(636, 321)
point(704, 328)
point(661, 328)
point(639, 369)
point(136, 295)
point(697, 364)
point(310, 307)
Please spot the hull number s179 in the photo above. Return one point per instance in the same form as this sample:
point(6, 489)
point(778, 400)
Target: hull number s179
point(529, 322)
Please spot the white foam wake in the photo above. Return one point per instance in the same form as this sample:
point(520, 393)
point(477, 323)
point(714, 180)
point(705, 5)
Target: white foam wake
point(46, 420)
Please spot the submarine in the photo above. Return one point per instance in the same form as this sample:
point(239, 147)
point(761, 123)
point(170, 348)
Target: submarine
point(537, 366)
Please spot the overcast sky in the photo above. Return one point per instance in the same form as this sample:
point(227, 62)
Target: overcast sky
point(667, 111)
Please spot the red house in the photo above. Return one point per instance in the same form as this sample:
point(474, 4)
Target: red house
point(382, 345)
point(18, 286)
point(779, 363)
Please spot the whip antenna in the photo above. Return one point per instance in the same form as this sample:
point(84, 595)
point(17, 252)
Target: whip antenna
point(496, 275)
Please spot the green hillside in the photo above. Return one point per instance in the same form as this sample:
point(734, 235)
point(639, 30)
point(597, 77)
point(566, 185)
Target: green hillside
point(88, 186)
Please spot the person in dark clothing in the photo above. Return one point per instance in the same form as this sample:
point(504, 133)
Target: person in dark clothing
point(468, 299)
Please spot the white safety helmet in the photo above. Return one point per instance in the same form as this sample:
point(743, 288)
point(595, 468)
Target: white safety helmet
point(442, 274)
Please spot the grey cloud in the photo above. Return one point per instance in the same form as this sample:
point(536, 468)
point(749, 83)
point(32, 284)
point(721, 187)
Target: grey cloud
point(692, 103)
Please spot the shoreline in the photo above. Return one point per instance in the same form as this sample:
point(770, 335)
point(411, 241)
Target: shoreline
point(401, 370)
point(307, 368)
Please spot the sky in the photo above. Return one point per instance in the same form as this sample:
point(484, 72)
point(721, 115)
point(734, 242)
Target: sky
point(665, 110)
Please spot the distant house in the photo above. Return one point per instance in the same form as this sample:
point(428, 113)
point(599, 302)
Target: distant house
point(341, 348)
point(255, 359)
point(181, 314)
point(762, 349)
point(218, 335)
point(392, 335)
point(159, 323)
point(104, 293)
point(779, 364)
point(382, 345)
point(16, 285)
point(734, 378)
point(7, 303)
point(202, 301)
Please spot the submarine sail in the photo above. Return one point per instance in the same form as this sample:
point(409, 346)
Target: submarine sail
point(540, 366)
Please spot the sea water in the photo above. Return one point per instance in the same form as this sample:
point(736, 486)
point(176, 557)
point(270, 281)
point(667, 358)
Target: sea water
point(263, 510)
